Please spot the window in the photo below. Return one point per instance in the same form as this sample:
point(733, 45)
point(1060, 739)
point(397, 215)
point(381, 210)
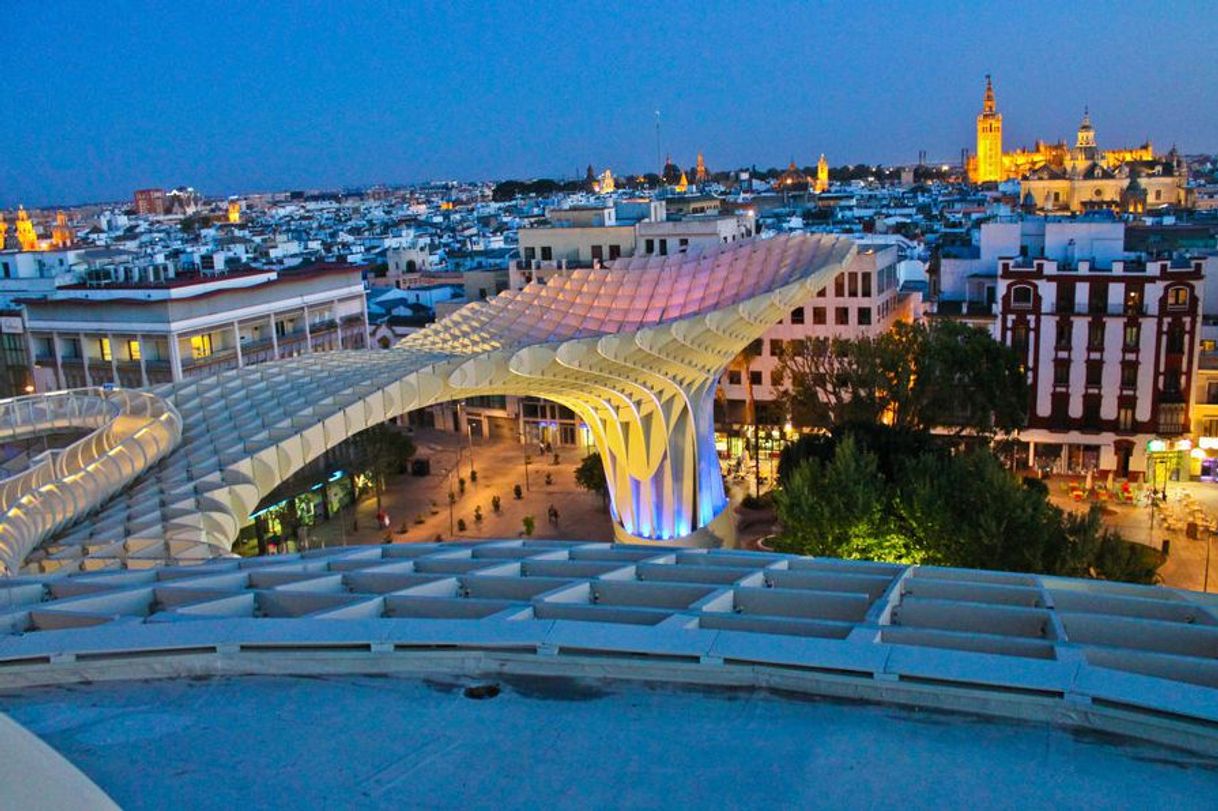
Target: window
point(852, 285)
point(1091, 410)
point(1065, 297)
point(200, 345)
point(819, 316)
point(1064, 329)
point(755, 377)
point(1175, 339)
point(1097, 298)
point(733, 377)
point(663, 247)
point(1211, 393)
point(1177, 297)
point(649, 246)
point(1019, 340)
point(598, 252)
point(824, 291)
point(547, 253)
point(839, 285)
point(775, 348)
point(797, 315)
point(1133, 299)
point(1171, 382)
point(70, 348)
point(103, 349)
point(1124, 418)
point(1061, 373)
point(530, 254)
point(133, 350)
point(865, 280)
point(1129, 375)
point(1133, 334)
point(1095, 372)
point(1209, 427)
point(1095, 336)
point(615, 251)
point(1021, 296)
point(864, 316)
point(841, 316)
point(684, 243)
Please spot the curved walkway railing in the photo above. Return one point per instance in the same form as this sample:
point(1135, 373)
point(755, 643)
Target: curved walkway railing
point(129, 431)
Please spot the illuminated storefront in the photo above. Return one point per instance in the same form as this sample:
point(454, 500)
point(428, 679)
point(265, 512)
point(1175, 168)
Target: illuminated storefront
point(1168, 461)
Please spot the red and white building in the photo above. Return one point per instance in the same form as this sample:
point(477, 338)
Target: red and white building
point(1111, 349)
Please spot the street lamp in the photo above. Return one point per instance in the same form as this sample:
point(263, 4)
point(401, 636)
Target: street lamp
point(469, 433)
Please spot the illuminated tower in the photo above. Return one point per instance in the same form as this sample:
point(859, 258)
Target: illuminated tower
point(700, 175)
point(822, 175)
point(3, 231)
point(988, 167)
point(1085, 144)
point(682, 184)
point(61, 234)
point(26, 235)
point(606, 183)
point(234, 211)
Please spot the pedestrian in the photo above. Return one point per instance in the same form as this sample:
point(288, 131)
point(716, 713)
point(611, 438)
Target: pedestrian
point(553, 513)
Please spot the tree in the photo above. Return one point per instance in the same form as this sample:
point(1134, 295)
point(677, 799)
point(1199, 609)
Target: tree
point(913, 377)
point(834, 508)
point(590, 475)
point(1093, 550)
point(922, 505)
point(385, 451)
point(967, 510)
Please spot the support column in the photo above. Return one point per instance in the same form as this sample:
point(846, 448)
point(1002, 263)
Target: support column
point(363, 309)
point(308, 331)
point(113, 360)
point(139, 340)
point(274, 339)
point(63, 383)
point(175, 357)
point(338, 323)
point(84, 358)
point(237, 344)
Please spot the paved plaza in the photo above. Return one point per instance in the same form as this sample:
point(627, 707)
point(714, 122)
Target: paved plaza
point(1186, 561)
point(500, 466)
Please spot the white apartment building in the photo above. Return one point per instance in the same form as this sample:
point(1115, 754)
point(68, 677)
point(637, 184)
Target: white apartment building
point(143, 333)
point(862, 300)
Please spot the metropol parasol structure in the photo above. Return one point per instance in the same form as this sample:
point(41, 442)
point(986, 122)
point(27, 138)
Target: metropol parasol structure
point(171, 474)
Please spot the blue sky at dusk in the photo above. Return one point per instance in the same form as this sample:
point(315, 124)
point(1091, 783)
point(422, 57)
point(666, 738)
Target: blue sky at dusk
point(104, 98)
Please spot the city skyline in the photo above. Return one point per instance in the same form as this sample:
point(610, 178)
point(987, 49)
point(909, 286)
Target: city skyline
point(207, 96)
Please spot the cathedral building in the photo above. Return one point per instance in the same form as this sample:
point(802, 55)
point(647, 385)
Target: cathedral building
point(1057, 177)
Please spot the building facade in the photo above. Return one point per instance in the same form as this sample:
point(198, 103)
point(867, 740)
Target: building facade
point(1110, 350)
point(141, 334)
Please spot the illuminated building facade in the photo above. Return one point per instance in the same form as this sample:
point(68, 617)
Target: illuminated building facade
point(990, 164)
point(146, 333)
point(27, 237)
point(822, 175)
point(986, 166)
point(1109, 342)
